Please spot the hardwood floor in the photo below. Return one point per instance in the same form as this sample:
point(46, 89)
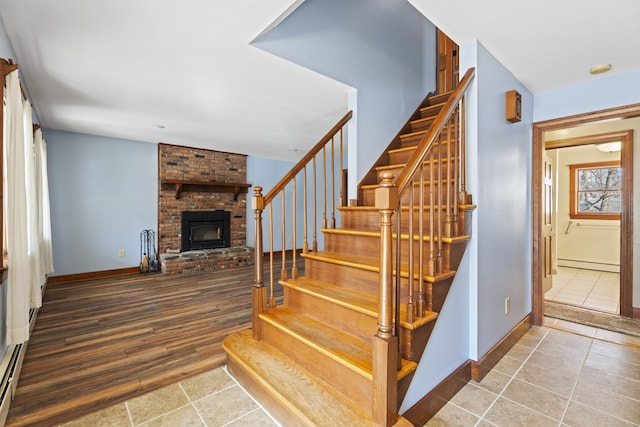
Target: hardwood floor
point(98, 342)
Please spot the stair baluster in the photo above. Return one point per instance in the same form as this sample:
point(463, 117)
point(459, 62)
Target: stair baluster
point(260, 203)
point(385, 344)
point(258, 292)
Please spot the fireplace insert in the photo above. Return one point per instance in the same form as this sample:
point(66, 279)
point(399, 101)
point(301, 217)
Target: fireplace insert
point(205, 230)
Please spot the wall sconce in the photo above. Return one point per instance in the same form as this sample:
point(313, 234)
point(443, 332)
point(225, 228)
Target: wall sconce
point(513, 106)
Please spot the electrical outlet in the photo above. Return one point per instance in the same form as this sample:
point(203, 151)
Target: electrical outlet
point(507, 305)
point(121, 253)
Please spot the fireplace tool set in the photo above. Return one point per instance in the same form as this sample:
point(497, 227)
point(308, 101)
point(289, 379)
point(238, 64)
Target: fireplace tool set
point(148, 252)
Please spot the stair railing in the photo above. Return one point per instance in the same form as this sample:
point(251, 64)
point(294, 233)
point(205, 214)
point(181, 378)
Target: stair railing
point(330, 149)
point(442, 152)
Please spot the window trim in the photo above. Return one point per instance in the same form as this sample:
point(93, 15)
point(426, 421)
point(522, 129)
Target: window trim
point(573, 212)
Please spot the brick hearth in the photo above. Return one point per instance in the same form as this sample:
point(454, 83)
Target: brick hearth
point(193, 164)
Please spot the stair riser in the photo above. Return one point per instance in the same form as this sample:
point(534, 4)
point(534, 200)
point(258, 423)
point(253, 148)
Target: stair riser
point(413, 343)
point(369, 247)
point(414, 140)
point(347, 277)
point(456, 251)
point(442, 173)
point(370, 220)
point(368, 195)
point(351, 384)
point(436, 293)
point(402, 156)
point(352, 322)
point(361, 220)
point(439, 99)
point(403, 387)
point(421, 125)
point(430, 111)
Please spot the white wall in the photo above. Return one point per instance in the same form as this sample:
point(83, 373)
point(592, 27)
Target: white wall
point(585, 243)
point(104, 192)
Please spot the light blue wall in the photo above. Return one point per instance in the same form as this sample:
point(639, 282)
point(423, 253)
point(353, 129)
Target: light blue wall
point(602, 92)
point(497, 263)
point(384, 49)
point(503, 197)
point(104, 192)
point(266, 173)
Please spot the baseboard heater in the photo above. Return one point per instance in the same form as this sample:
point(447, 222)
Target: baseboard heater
point(589, 265)
point(12, 364)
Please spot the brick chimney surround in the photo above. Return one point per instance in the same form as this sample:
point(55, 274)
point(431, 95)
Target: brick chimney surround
point(193, 179)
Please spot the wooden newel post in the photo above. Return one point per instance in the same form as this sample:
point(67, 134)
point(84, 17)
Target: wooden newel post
point(259, 292)
point(385, 342)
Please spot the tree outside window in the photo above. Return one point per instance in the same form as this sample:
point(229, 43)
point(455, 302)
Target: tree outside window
point(596, 190)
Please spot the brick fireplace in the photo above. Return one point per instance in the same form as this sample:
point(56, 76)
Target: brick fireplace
point(203, 183)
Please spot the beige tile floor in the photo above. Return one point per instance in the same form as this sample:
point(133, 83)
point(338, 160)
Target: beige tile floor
point(210, 399)
point(551, 377)
point(595, 290)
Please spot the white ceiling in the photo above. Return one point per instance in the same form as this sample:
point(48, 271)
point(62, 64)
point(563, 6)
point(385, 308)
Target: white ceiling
point(118, 67)
point(546, 43)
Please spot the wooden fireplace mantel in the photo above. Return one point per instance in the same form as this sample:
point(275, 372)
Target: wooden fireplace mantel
point(212, 186)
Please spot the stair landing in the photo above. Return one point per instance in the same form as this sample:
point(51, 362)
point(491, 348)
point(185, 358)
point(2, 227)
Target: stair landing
point(292, 394)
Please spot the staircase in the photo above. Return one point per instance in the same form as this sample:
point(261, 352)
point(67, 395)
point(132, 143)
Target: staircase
point(337, 351)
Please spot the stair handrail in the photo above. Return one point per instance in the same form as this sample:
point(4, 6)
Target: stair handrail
point(411, 167)
point(388, 201)
point(307, 158)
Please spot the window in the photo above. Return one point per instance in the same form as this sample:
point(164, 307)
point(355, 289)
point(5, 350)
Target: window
point(595, 190)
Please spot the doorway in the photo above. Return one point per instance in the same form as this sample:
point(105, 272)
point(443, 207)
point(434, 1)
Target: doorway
point(585, 218)
point(541, 268)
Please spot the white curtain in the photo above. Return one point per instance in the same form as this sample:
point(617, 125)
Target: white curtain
point(33, 209)
point(19, 267)
point(44, 208)
point(28, 222)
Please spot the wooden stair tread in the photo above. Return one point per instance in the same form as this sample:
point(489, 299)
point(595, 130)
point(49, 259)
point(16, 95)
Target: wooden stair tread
point(433, 106)
point(404, 208)
point(310, 398)
point(403, 236)
point(402, 149)
point(347, 260)
point(429, 316)
point(368, 264)
point(354, 300)
point(422, 120)
point(345, 349)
